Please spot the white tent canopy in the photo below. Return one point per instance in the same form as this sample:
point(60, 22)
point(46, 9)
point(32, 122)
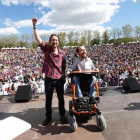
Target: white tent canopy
point(14, 48)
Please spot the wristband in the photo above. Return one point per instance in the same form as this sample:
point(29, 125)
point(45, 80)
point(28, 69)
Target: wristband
point(34, 26)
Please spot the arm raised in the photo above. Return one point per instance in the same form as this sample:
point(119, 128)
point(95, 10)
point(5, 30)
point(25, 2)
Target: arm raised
point(38, 39)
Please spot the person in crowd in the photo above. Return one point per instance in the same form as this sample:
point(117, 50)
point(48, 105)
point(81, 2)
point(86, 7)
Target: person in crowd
point(0, 86)
point(13, 89)
point(14, 63)
point(83, 63)
point(9, 91)
point(39, 83)
point(26, 78)
point(104, 83)
point(30, 81)
point(34, 89)
point(54, 69)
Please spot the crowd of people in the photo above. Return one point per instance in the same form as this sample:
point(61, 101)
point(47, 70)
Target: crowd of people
point(115, 63)
point(18, 67)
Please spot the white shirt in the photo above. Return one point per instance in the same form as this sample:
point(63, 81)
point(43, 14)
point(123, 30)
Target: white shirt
point(82, 65)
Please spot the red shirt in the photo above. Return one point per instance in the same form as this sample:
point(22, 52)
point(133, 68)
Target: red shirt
point(53, 63)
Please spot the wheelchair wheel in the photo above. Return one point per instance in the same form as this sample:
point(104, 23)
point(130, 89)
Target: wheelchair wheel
point(73, 123)
point(101, 123)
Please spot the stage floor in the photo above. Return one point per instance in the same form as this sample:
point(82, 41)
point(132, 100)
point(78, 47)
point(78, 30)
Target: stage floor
point(121, 112)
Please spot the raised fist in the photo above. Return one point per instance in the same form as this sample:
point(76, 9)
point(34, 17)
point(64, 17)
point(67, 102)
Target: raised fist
point(34, 20)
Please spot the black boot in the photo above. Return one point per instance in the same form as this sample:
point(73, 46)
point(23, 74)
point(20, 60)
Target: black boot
point(64, 120)
point(92, 100)
point(46, 121)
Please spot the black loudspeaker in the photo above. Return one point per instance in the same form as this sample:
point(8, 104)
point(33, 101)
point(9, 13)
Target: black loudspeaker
point(24, 93)
point(131, 84)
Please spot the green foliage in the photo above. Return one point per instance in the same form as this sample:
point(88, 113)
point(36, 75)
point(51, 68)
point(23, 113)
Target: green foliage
point(77, 38)
point(94, 41)
point(83, 41)
point(127, 31)
point(116, 33)
point(137, 32)
point(75, 44)
point(116, 36)
point(105, 37)
point(70, 38)
point(89, 37)
point(70, 44)
point(126, 40)
point(22, 44)
point(47, 43)
point(121, 40)
point(1, 47)
point(62, 37)
point(34, 45)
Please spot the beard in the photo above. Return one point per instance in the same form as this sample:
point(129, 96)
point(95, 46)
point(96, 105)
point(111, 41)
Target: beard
point(54, 45)
point(84, 55)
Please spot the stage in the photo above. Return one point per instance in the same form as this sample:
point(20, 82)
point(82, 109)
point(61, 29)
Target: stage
point(121, 112)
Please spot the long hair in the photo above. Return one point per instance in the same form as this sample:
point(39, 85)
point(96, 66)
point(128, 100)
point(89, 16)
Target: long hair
point(56, 36)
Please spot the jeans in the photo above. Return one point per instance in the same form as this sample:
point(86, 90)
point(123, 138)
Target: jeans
point(78, 90)
point(49, 87)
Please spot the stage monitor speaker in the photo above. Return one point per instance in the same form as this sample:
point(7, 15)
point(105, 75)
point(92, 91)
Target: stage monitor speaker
point(131, 84)
point(24, 93)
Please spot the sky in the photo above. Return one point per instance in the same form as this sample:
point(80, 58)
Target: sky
point(56, 16)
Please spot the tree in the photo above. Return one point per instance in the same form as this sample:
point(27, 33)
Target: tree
point(137, 32)
point(127, 32)
point(34, 45)
point(94, 41)
point(3, 41)
point(25, 38)
point(13, 40)
point(45, 37)
point(118, 33)
point(105, 37)
point(70, 38)
point(89, 36)
point(77, 38)
point(83, 38)
point(62, 37)
point(114, 33)
point(32, 40)
point(22, 44)
point(96, 36)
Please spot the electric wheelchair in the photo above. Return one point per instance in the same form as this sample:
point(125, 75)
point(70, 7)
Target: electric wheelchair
point(85, 111)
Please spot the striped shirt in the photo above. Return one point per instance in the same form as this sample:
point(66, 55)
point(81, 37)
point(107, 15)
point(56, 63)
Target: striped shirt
point(53, 63)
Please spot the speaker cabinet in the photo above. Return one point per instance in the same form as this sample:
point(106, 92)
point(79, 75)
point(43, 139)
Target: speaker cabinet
point(24, 93)
point(131, 84)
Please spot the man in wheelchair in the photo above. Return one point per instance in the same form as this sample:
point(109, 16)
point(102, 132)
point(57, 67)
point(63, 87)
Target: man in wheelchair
point(83, 63)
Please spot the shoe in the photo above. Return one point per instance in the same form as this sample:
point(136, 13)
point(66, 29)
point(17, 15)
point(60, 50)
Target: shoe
point(92, 100)
point(80, 100)
point(46, 121)
point(64, 120)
